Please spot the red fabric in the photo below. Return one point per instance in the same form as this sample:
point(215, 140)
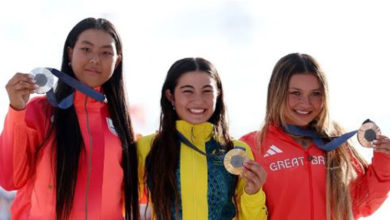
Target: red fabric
point(34, 176)
point(296, 183)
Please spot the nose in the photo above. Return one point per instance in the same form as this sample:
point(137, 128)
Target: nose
point(198, 98)
point(94, 58)
point(305, 100)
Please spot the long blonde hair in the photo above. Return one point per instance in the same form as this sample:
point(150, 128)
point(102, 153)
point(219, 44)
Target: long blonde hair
point(339, 168)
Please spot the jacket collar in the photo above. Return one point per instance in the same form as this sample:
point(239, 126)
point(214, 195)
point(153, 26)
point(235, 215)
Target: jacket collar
point(80, 99)
point(277, 131)
point(197, 133)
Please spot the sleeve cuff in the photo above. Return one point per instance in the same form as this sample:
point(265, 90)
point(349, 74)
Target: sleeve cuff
point(16, 116)
point(254, 200)
point(381, 165)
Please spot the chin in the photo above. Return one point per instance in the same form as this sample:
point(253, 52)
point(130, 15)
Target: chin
point(196, 121)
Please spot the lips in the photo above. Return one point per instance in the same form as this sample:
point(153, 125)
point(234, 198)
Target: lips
point(92, 70)
point(197, 110)
point(301, 112)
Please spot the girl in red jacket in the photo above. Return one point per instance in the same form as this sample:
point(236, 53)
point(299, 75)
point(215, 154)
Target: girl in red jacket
point(304, 180)
point(78, 160)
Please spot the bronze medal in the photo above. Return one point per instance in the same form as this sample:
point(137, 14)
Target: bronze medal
point(367, 133)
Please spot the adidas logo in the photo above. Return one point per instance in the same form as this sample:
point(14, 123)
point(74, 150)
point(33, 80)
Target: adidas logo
point(272, 151)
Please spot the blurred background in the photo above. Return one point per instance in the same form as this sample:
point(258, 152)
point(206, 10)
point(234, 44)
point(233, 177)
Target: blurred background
point(243, 38)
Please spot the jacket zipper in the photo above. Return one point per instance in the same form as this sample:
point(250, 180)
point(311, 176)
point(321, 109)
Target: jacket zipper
point(193, 168)
point(309, 159)
point(89, 159)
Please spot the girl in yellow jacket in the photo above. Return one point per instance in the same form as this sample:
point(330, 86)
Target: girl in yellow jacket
point(182, 165)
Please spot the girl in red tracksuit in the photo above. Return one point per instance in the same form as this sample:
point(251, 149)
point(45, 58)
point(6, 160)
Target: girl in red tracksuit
point(305, 182)
point(78, 162)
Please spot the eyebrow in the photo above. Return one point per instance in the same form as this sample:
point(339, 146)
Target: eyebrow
point(186, 87)
point(89, 43)
point(191, 87)
point(319, 89)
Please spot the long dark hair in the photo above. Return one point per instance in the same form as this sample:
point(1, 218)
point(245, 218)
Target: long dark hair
point(161, 177)
point(68, 135)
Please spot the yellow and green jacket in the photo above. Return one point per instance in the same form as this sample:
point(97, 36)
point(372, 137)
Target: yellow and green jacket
point(206, 188)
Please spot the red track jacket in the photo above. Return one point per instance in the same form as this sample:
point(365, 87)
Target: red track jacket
point(100, 175)
point(296, 183)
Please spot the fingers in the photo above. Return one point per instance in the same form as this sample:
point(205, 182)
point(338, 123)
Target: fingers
point(20, 77)
point(19, 88)
point(20, 82)
point(24, 85)
point(254, 176)
point(382, 144)
point(382, 150)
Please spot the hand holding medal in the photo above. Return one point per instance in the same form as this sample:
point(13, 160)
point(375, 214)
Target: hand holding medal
point(236, 162)
point(369, 135)
point(43, 79)
point(19, 88)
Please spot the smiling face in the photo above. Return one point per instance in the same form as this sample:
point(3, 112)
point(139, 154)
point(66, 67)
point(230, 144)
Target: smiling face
point(304, 100)
point(194, 97)
point(94, 57)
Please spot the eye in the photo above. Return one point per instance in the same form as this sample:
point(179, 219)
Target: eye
point(208, 91)
point(86, 49)
point(317, 94)
point(107, 53)
point(187, 91)
point(295, 93)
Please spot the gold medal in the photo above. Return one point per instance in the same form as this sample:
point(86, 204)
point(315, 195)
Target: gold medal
point(368, 133)
point(234, 161)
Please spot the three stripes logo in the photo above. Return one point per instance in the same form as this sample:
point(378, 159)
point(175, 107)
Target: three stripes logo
point(272, 151)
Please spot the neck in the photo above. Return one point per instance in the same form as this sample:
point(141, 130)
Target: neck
point(302, 141)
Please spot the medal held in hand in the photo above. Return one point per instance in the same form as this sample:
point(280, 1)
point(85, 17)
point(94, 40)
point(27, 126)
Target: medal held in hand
point(43, 78)
point(367, 133)
point(234, 160)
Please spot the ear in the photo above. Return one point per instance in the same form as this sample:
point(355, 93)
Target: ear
point(118, 60)
point(170, 96)
point(70, 53)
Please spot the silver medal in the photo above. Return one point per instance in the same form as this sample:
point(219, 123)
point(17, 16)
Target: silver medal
point(43, 78)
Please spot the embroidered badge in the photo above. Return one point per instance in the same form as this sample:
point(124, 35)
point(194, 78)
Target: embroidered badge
point(111, 126)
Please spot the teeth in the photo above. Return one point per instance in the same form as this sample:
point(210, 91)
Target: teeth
point(302, 112)
point(197, 110)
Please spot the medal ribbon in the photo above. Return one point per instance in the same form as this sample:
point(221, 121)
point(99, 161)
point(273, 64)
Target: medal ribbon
point(317, 139)
point(74, 83)
point(216, 156)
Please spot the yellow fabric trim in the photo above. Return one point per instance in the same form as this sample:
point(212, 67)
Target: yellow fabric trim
point(143, 147)
point(249, 206)
point(193, 170)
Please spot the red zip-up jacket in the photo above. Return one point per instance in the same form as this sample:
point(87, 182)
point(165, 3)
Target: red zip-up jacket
point(98, 193)
point(296, 182)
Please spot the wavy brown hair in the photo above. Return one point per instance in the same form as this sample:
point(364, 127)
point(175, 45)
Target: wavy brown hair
point(340, 170)
point(162, 161)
